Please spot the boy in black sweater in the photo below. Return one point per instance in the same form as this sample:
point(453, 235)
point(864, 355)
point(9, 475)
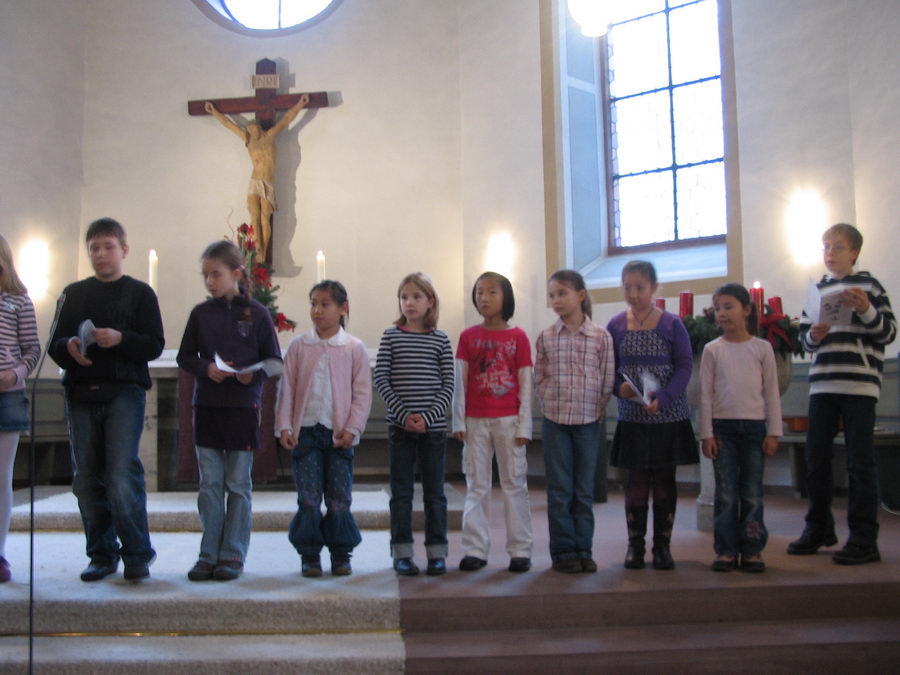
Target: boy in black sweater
point(105, 394)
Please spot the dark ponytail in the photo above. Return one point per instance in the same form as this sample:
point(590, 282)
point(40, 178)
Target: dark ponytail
point(337, 292)
point(742, 295)
point(575, 281)
point(227, 253)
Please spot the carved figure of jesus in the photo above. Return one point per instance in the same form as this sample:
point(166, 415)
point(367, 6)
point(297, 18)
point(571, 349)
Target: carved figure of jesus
point(261, 147)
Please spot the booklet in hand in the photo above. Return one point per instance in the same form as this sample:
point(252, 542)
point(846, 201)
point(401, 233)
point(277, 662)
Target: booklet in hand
point(269, 366)
point(824, 305)
point(86, 336)
point(642, 392)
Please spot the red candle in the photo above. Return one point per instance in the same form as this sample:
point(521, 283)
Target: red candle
point(660, 302)
point(685, 304)
point(757, 297)
point(775, 305)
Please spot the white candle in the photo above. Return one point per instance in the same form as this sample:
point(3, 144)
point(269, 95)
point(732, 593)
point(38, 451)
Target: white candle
point(154, 268)
point(320, 266)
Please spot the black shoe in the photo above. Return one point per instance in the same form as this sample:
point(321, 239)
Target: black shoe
point(662, 556)
point(588, 565)
point(311, 566)
point(856, 554)
point(753, 566)
point(98, 570)
point(341, 567)
point(723, 565)
point(634, 558)
point(201, 571)
point(436, 567)
point(228, 570)
point(470, 563)
point(405, 567)
point(810, 543)
point(138, 571)
point(519, 564)
point(567, 565)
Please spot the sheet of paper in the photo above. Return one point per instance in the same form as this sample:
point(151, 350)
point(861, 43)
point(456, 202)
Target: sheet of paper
point(813, 300)
point(270, 366)
point(832, 310)
point(86, 336)
point(639, 390)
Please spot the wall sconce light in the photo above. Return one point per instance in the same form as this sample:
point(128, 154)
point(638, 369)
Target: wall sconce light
point(34, 267)
point(500, 255)
point(805, 218)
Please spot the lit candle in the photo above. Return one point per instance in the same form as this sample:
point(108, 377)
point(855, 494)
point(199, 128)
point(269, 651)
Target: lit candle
point(660, 302)
point(320, 266)
point(685, 304)
point(775, 304)
point(153, 260)
point(757, 297)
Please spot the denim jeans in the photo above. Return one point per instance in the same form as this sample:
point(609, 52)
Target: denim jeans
point(858, 413)
point(738, 524)
point(226, 526)
point(430, 448)
point(109, 477)
point(320, 468)
point(570, 461)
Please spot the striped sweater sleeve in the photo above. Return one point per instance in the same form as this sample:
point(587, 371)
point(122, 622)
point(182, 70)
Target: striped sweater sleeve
point(19, 342)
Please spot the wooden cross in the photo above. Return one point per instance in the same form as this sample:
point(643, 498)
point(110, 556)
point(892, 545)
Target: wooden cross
point(265, 104)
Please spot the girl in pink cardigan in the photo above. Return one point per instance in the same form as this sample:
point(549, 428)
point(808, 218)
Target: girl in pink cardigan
point(322, 407)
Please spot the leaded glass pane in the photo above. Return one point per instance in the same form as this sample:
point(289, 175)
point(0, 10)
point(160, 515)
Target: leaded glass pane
point(622, 10)
point(698, 122)
point(642, 133)
point(260, 14)
point(695, 42)
point(645, 209)
point(701, 201)
point(677, 3)
point(638, 59)
point(295, 12)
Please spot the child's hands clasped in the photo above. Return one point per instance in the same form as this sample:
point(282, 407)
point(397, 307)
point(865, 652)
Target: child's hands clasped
point(415, 424)
point(770, 445)
point(288, 442)
point(344, 439)
point(710, 448)
point(216, 375)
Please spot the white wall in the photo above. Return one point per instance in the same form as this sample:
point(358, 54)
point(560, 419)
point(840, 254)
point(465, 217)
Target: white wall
point(41, 77)
point(378, 174)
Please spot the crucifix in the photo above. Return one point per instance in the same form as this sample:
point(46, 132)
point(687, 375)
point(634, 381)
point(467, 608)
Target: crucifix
point(259, 137)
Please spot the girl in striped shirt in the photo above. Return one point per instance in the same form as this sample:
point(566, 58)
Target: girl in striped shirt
point(19, 352)
point(414, 376)
point(573, 373)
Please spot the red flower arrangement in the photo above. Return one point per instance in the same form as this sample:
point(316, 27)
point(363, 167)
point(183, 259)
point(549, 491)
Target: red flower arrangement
point(259, 276)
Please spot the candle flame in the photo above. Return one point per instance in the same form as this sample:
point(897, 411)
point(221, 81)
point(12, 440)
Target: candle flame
point(756, 284)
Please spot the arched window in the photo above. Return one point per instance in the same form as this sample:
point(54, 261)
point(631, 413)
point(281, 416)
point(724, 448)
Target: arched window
point(266, 17)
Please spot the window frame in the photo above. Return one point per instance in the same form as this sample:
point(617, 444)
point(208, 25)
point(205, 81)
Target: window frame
point(224, 19)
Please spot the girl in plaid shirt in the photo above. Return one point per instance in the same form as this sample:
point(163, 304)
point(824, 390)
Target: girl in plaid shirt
point(573, 375)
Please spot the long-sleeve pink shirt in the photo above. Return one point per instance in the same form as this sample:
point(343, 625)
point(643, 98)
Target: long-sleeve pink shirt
point(738, 381)
point(350, 375)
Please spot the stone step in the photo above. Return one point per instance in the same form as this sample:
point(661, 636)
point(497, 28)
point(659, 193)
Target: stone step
point(57, 509)
point(787, 646)
point(189, 655)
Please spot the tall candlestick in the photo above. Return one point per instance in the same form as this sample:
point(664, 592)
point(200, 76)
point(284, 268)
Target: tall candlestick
point(685, 304)
point(757, 297)
point(660, 302)
point(320, 266)
point(152, 275)
point(775, 305)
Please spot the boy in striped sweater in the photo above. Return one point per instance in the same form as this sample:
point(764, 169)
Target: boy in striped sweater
point(845, 382)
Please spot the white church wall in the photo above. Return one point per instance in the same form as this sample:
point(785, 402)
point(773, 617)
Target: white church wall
point(41, 77)
point(374, 182)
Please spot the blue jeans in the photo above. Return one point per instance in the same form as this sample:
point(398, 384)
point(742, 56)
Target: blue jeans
point(320, 468)
point(858, 413)
point(570, 460)
point(226, 528)
point(430, 448)
point(109, 477)
point(738, 525)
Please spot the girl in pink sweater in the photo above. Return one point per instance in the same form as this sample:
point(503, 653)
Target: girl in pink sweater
point(322, 407)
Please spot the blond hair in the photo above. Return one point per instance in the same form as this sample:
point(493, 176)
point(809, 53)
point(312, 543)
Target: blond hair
point(9, 280)
point(424, 284)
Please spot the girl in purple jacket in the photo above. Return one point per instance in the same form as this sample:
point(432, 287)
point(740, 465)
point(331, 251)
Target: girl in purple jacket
point(223, 336)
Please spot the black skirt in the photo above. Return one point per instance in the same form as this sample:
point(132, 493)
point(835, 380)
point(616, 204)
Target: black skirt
point(653, 446)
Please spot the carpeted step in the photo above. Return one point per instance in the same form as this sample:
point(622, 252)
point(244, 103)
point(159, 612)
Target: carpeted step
point(790, 646)
point(57, 509)
point(258, 654)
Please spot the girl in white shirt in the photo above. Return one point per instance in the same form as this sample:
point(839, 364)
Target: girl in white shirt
point(740, 423)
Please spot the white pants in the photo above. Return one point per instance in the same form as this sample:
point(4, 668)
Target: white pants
point(9, 441)
point(484, 437)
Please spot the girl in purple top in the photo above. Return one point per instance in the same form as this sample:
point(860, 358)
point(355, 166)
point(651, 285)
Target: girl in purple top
point(239, 330)
point(19, 352)
point(651, 438)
